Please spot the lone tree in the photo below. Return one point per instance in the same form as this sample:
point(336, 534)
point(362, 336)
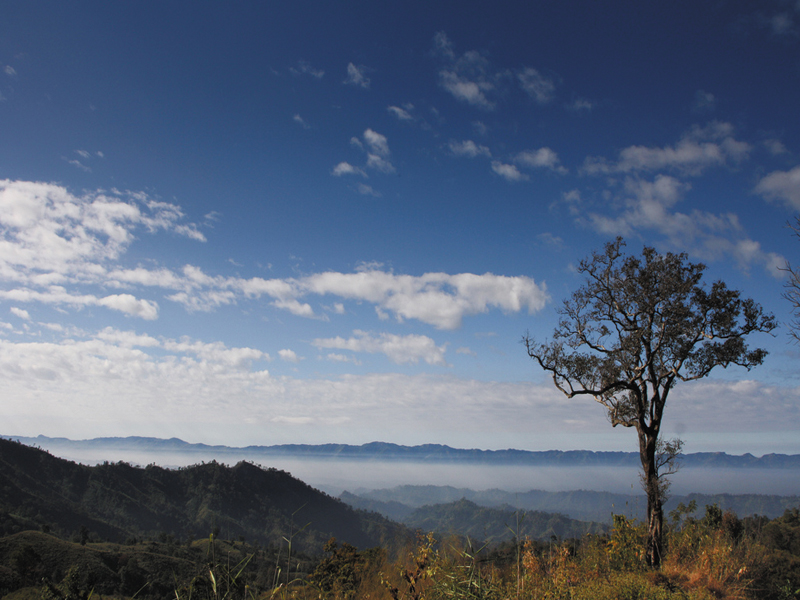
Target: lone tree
point(637, 327)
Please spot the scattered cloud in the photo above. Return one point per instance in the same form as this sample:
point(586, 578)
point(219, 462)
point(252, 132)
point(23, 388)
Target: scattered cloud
point(408, 349)
point(466, 350)
point(581, 105)
point(697, 150)
point(345, 168)
point(343, 358)
point(289, 356)
point(704, 102)
point(9, 70)
point(301, 121)
point(775, 147)
point(536, 85)
point(781, 186)
point(647, 206)
point(367, 190)
point(468, 77)
point(541, 158)
point(21, 313)
point(508, 172)
point(468, 148)
point(402, 113)
point(357, 76)
point(378, 152)
point(304, 68)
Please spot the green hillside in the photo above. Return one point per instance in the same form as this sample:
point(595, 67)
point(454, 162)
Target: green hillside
point(497, 524)
point(119, 502)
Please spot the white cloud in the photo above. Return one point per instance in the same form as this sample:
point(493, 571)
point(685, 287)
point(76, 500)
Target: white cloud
point(57, 295)
point(289, 356)
point(343, 358)
point(698, 149)
point(536, 85)
point(775, 147)
point(443, 45)
point(357, 76)
point(468, 77)
point(648, 206)
point(580, 105)
point(9, 70)
point(377, 148)
point(376, 142)
point(305, 68)
point(55, 244)
point(400, 113)
point(438, 299)
point(541, 158)
point(466, 90)
point(130, 305)
point(184, 387)
point(783, 186)
point(345, 168)
point(508, 172)
point(367, 190)
point(21, 313)
point(408, 349)
point(468, 148)
point(301, 121)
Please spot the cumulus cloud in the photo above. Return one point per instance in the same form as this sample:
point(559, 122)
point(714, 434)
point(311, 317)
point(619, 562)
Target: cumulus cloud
point(468, 77)
point(55, 245)
point(468, 148)
point(367, 190)
point(541, 158)
point(345, 168)
point(649, 206)
point(697, 150)
point(357, 76)
point(781, 186)
point(537, 86)
point(407, 349)
point(53, 239)
point(289, 356)
point(508, 172)
point(189, 386)
point(21, 313)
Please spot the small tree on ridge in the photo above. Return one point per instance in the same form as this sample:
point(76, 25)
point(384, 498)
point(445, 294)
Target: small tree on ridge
point(636, 328)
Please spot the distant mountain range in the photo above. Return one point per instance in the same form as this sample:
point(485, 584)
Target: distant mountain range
point(427, 453)
point(403, 503)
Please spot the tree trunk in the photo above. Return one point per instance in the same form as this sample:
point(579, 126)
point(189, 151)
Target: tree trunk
point(655, 510)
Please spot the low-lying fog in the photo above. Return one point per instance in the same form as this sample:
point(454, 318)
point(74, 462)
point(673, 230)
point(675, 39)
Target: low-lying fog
point(335, 475)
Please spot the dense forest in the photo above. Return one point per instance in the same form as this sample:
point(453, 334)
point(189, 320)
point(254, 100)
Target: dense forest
point(213, 531)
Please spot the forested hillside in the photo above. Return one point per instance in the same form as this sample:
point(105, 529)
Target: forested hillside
point(117, 502)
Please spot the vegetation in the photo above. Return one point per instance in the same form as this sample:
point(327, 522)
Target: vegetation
point(716, 555)
point(119, 503)
point(637, 327)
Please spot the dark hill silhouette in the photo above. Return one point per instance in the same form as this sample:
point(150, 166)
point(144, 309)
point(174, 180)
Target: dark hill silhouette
point(118, 501)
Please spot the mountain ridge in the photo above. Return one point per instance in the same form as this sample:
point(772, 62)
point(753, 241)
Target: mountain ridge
point(432, 453)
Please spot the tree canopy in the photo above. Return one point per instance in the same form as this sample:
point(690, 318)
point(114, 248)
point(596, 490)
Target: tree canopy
point(638, 326)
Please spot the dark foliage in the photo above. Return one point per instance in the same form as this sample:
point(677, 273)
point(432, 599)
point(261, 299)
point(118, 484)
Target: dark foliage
point(118, 502)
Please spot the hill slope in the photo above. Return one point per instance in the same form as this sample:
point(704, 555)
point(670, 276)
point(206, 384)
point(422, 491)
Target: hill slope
point(497, 524)
point(118, 501)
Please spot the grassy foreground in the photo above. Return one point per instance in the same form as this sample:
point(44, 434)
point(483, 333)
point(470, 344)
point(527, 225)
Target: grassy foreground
point(715, 557)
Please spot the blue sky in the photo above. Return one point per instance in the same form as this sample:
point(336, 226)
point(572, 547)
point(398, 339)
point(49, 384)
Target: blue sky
point(304, 222)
